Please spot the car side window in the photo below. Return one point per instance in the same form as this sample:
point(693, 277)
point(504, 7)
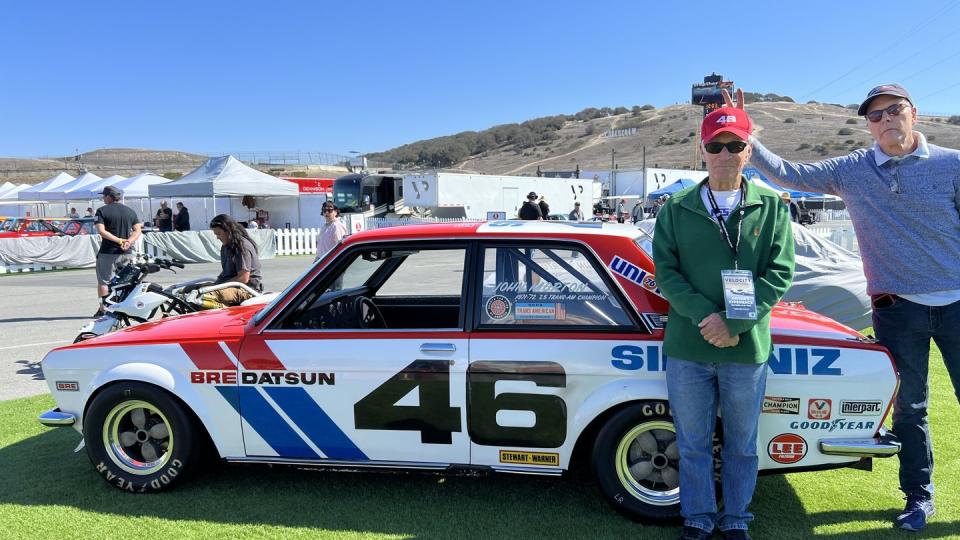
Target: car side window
point(546, 286)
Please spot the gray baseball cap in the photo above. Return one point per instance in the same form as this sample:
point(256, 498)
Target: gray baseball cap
point(883, 90)
point(112, 191)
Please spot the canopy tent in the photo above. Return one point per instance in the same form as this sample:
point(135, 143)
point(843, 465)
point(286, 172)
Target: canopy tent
point(756, 177)
point(225, 176)
point(50, 184)
point(11, 193)
point(72, 189)
point(672, 188)
point(92, 191)
point(6, 187)
point(136, 187)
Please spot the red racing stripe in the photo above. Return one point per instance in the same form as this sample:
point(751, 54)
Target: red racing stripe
point(257, 355)
point(207, 355)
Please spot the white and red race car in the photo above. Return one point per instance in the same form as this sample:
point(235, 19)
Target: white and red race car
point(523, 347)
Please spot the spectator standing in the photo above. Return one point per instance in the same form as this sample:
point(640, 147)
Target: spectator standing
point(181, 220)
point(239, 262)
point(164, 218)
point(794, 209)
point(89, 212)
point(73, 214)
point(544, 208)
point(903, 196)
point(576, 214)
point(622, 211)
point(119, 229)
point(530, 210)
point(332, 231)
point(637, 213)
point(723, 235)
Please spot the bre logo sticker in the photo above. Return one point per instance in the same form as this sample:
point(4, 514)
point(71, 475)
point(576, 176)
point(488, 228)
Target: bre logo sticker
point(68, 386)
point(780, 405)
point(819, 409)
point(498, 307)
point(787, 448)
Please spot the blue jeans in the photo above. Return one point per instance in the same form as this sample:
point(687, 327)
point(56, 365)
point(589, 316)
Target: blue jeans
point(695, 389)
point(906, 328)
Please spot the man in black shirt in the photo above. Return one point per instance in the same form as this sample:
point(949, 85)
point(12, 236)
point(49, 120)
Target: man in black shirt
point(119, 228)
point(164, 219)
point(530, 209)
point(181, 221)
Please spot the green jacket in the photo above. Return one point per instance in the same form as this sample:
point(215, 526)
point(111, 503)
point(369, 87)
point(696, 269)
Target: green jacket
point(689, 252)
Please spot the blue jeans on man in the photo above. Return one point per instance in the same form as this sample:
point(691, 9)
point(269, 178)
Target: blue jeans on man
point(695, 390)
point(906, 328)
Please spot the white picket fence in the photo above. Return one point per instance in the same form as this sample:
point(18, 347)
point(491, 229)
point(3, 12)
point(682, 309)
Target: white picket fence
point(296, 241)
point(842, 235)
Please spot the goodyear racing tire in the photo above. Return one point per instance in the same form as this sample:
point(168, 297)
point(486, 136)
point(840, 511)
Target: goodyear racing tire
point(141, 439)
point(637, 462)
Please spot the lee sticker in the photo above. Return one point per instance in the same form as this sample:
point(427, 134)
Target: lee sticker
point(530, 458)
point(787, 448)
point(819, 409)
point(498, 307)
point(540, 311)
point(780, 405)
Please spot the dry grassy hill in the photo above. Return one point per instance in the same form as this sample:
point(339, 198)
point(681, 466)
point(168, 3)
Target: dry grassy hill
point(798, 132)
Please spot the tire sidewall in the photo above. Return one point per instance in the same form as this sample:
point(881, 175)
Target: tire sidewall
point(180, 462)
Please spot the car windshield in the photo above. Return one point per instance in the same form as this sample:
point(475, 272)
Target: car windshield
point(645, 240)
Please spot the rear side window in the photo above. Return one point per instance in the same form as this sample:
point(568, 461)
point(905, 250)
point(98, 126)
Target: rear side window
point(545, 286)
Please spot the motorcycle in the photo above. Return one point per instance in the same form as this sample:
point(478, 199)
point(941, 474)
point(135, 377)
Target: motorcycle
point(133, 301)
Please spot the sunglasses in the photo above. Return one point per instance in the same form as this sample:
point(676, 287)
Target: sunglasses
point(329, 209)
point(734, 147)
point(893, 110)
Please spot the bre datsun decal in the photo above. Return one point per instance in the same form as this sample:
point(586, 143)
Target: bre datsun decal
point(274, 378)
point(634, 273)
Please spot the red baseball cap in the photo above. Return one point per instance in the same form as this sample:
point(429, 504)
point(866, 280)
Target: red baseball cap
point(726, 119)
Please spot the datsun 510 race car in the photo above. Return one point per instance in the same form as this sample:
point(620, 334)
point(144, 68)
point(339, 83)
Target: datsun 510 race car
point(511, 346)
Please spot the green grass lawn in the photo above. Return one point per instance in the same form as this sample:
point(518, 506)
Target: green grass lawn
point(50, 492)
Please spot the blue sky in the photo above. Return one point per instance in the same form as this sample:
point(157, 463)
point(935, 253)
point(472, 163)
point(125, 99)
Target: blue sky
point(332, 77)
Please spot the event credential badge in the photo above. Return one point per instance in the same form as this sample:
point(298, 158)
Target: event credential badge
point(738, 294)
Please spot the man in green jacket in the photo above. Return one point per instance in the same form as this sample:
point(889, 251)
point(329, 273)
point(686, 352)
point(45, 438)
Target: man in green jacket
point(723, 252)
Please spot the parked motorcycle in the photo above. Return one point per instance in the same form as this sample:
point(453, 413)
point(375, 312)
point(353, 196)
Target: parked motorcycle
point(133, 301)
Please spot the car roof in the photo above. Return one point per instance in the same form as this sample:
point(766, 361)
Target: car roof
point(509, 228)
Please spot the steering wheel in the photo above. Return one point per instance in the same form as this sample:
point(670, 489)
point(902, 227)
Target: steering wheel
point(368, 314)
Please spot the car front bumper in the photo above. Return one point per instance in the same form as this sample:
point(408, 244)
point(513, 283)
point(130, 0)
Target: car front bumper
point(884, 444)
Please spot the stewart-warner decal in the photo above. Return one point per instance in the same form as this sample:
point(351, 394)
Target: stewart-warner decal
point(635, 274)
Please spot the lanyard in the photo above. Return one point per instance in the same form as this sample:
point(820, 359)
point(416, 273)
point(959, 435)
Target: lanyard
point(715, 208)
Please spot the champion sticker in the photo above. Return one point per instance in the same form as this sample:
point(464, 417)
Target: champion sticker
point(498, 307)
point(787, 448)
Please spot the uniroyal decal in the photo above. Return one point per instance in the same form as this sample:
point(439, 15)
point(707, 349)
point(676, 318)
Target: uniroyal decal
point(819, 409)
point(635, 274)
point(787, 448)
point(780, 405)
point(291, 378)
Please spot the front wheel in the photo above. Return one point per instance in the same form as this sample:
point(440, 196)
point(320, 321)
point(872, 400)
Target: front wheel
point(636, 460)
point(140, 438)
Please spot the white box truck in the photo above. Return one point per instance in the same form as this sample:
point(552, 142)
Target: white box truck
point(471, 196)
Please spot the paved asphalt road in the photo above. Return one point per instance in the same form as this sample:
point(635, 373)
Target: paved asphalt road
point(43, 310)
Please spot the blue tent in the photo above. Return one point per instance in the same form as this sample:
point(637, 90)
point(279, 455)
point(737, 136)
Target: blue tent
point(751, 172)
point(672, 188)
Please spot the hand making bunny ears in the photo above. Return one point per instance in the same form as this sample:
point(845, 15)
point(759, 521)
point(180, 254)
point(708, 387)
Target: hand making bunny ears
point(728, 101)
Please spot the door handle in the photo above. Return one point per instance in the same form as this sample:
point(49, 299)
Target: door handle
point(438, 347)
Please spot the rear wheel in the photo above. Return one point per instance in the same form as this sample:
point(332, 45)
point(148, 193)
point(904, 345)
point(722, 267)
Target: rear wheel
point(140, 438)
point(636, 460)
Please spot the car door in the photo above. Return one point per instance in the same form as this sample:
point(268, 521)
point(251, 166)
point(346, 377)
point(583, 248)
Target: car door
point(552, 332)
point(367, 364)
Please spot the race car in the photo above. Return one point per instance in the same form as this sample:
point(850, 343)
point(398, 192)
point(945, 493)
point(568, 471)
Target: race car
point(527, 347)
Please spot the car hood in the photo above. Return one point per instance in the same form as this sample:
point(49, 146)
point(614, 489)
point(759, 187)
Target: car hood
point(791, 319)
point(219, 324)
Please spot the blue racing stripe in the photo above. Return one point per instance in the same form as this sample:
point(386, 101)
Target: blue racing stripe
point(271, 426)
point(230, 394)
point(315, 423)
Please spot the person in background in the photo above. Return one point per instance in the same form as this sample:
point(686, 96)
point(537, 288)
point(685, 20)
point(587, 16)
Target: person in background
point(794, 209)
point(622, 211)
point(903, 196)
point(164, 218)
point(181, 220)
point(576, 214)
point(119, 228)
point(73, 214)
point(332, 231)
point(724, 237)
point(89, 212)
point(239, 261)
point(637, 213)
point(530, 210)
point(544, 208)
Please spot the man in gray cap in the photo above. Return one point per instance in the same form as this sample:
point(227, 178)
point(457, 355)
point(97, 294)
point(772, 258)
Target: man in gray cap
point(903, 196)
point(530, 209)
point(119, 228)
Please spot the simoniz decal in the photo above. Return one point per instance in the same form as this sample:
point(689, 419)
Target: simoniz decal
point(292, 378)
point(635, 274)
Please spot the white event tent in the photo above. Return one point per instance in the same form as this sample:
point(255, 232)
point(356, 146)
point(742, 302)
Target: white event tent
point(72, 189)
point(221, 180)
point(50, 184)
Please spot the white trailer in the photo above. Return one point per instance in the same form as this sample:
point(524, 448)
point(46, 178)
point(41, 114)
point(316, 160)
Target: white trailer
point(473, 195)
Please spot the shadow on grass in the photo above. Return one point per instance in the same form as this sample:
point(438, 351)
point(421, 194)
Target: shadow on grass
point(41, 470)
